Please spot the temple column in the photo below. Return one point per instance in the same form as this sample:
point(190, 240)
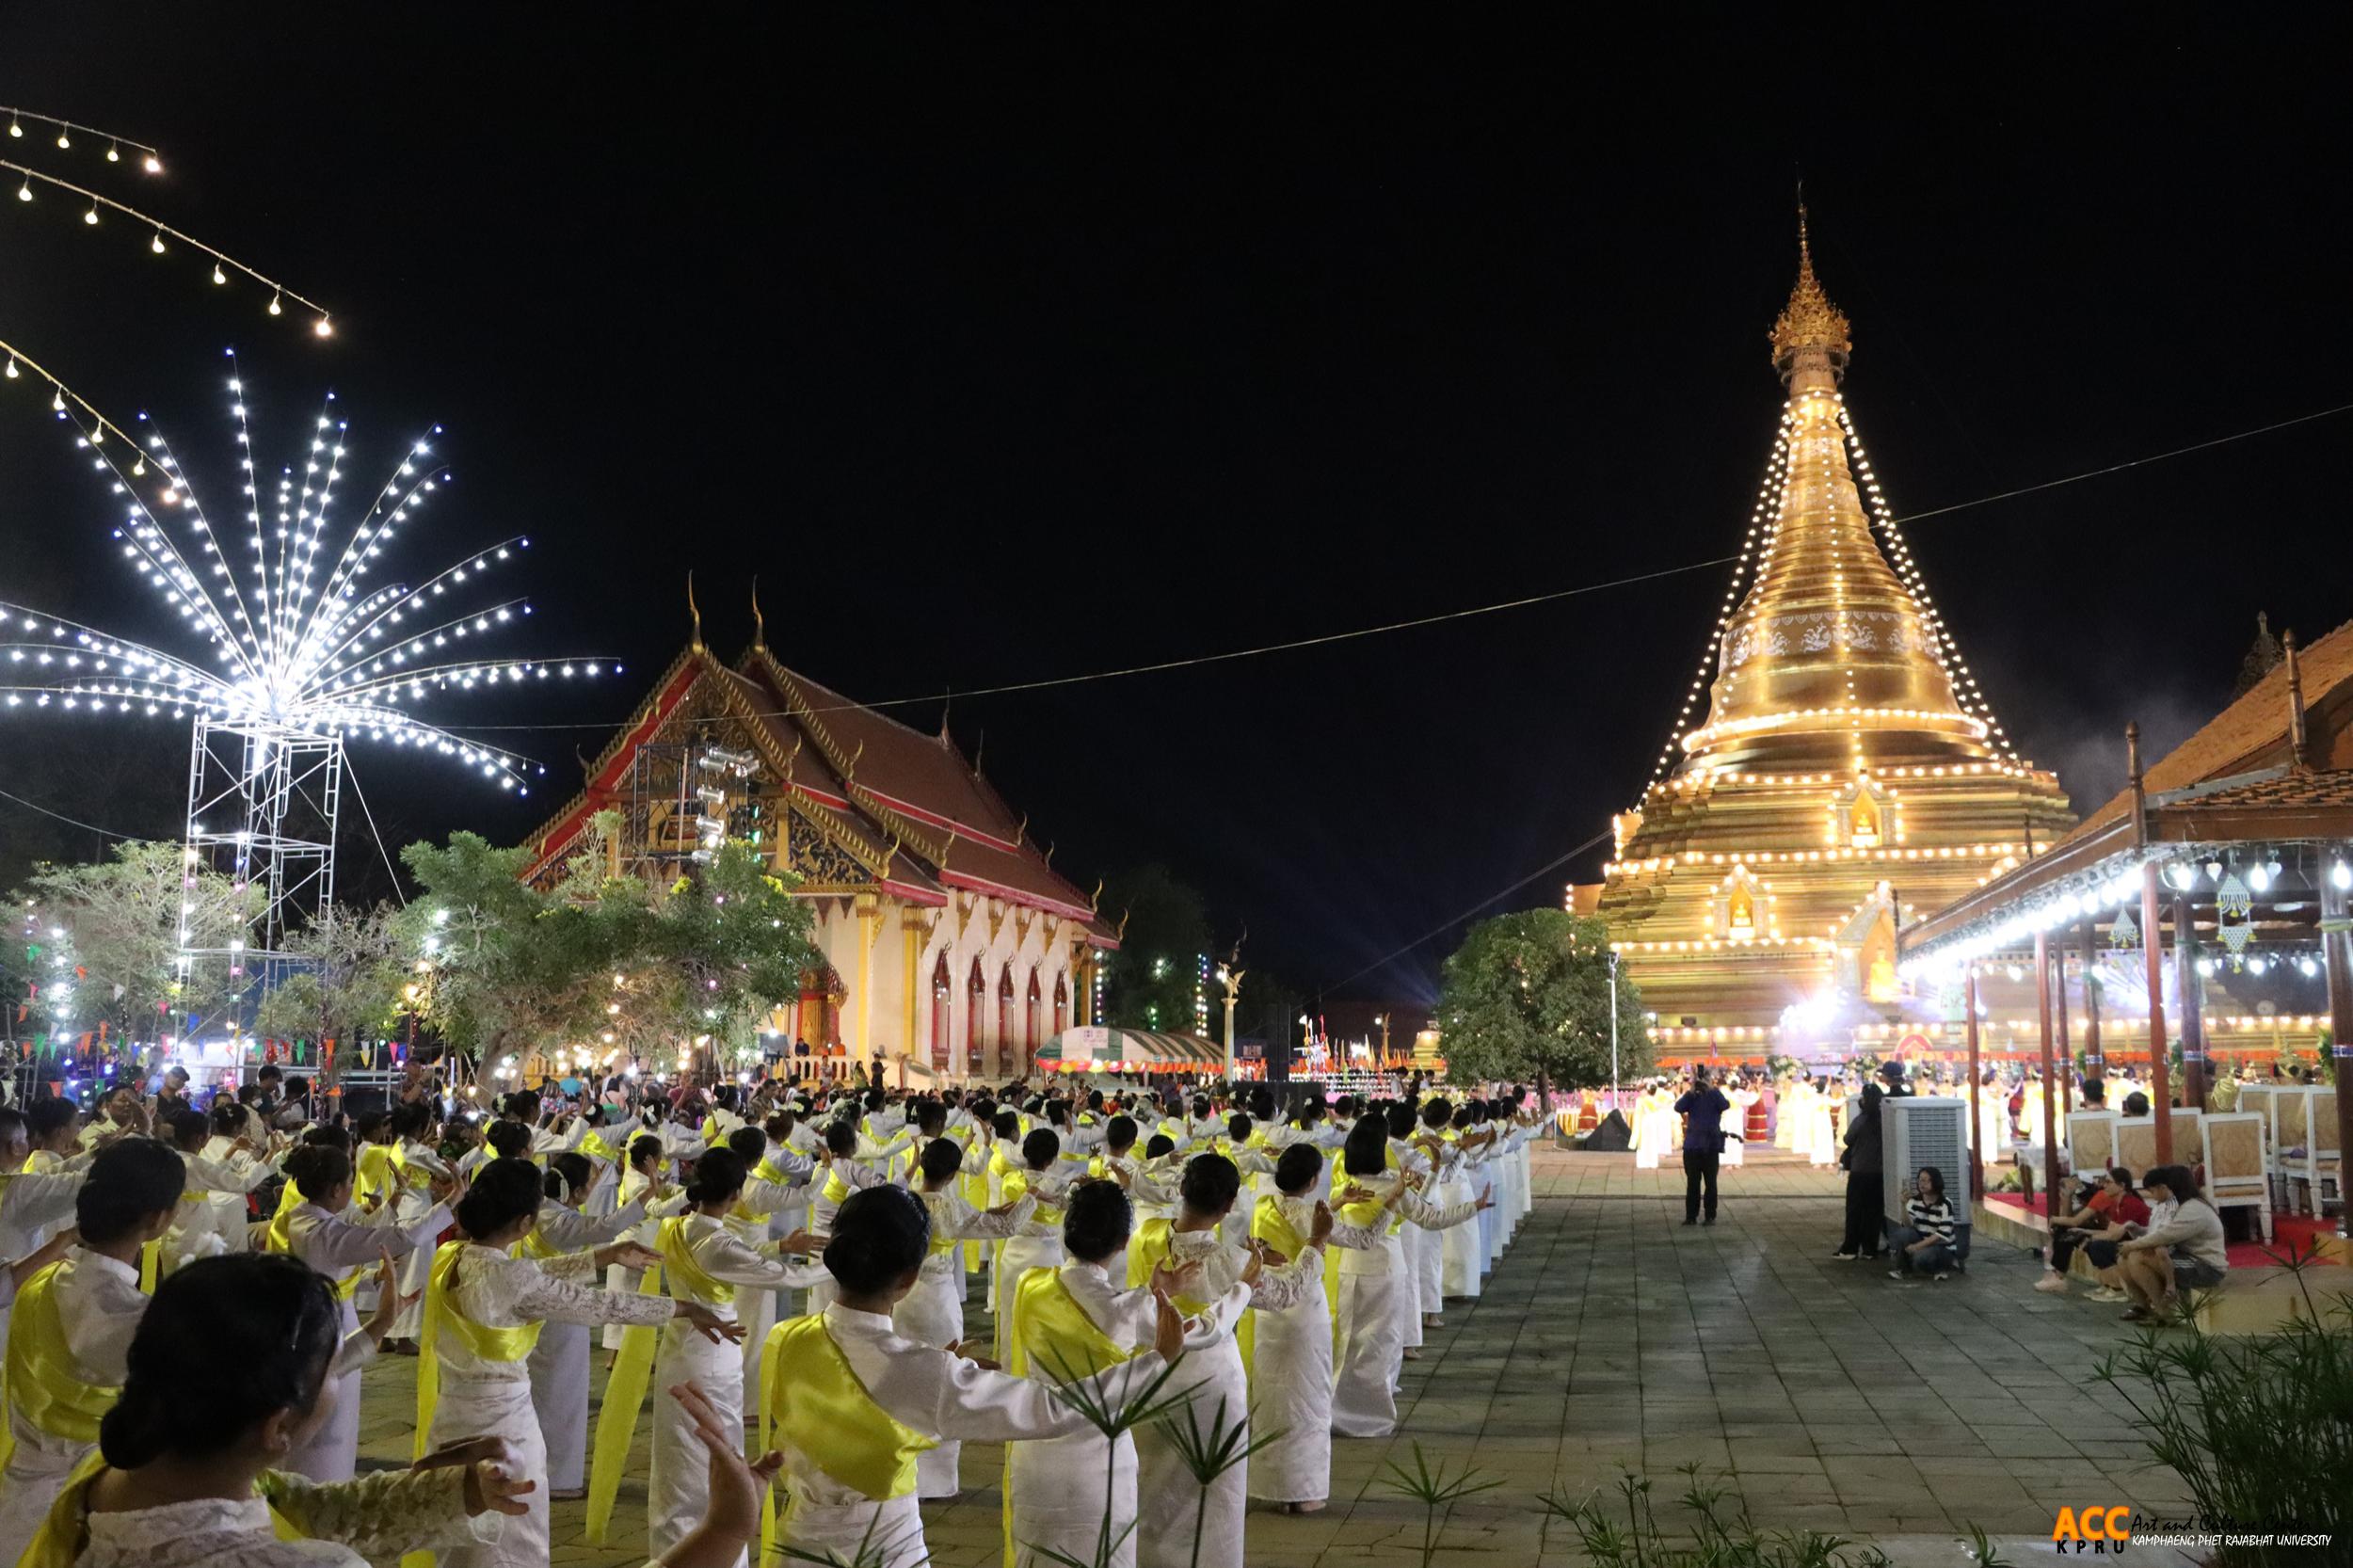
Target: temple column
point(868, 909)
point(2066, 1047)
point(2160, 1078)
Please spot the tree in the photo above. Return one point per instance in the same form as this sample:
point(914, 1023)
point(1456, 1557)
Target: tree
point(1156, 972)
point(350, 987)
point(1528, 996)
point(599, 967)
point(102, 943)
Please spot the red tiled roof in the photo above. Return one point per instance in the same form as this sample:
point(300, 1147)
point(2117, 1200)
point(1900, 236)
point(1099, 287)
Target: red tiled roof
point(895, 797)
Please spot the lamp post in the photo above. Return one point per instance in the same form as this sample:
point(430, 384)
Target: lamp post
point(1230, 978)
point(1382, 1019)
point(1614, 1029)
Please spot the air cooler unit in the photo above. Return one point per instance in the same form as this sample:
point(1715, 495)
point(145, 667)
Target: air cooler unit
point(1919, 1130)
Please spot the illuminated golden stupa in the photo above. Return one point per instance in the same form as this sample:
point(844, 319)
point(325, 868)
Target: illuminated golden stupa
point(1848, 774)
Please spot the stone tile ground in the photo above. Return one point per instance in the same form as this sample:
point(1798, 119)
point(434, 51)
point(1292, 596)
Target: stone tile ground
point(1822, 1395)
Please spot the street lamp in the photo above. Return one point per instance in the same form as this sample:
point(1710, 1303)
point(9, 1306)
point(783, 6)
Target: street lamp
point(1614, 1029)
point(1382, 1019)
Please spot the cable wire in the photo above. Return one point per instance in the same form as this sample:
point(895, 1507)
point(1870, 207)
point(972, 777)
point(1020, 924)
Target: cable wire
point(1500, 893)
point(71, 822)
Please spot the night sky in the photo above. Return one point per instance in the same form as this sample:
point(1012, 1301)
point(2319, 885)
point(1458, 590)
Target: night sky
point(1006, 343)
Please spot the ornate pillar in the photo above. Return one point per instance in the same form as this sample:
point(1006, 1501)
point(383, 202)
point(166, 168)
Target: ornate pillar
point(869, 910)
point(2188, 996)
point(1233, 993)
point(1977, 1098)
point(913, 929)
point(2096, 1065)
point(2051, 1129)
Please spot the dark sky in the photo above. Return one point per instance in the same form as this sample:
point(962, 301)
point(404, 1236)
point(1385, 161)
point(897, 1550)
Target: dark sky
point(1006, 343)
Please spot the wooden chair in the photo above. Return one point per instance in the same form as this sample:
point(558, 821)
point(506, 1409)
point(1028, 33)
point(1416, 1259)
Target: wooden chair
point(2259, 1099)
point(2319, 1167)
point(2235, 1147)
point(2090, 1141)
point(2137, 1144)
point(2291, 1120)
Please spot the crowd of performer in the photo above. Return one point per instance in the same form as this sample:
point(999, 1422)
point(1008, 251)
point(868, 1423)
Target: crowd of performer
point(196, 1289)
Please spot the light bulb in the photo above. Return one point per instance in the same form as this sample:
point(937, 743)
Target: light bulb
point(218, 276)
point(25, 191)
point(2205, 966)
point(324, 328)
point(57, 401)
point(2307, 967)
point(156, 245)
point(12, 371)
point(91, 216)
point(14, 129)
point(114, 154)
point(154, 163)
point(2258, 877)
point(2257, 966)
point(64, 140)
point(2342, 875)
point(275, 309)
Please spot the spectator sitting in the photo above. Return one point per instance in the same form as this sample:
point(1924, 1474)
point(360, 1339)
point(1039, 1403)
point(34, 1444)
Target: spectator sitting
point(2094, 1093)
point(2097, 1228)
point(2183, 1246)
point(2136, 1104)
point(1925, 1244)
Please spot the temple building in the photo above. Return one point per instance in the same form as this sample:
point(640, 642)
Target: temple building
point(1848, 775)
point(952, 947)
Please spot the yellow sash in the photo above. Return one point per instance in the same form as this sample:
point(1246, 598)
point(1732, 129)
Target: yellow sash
point(1017, 1186)
point(45, 1385)
point(810, 1397)
point(1154, 1243)
point(837, 1190)
point(766, 1170)
point(442, 1315)
point(592, 1143)
point(678, 1258)
point(378, 1175)
point(1371, 1211)
point(617, 1419)
point(976, 1193)
point(1051, 1328)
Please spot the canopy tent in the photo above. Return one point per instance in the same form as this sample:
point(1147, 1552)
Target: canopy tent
point(1097, 1049)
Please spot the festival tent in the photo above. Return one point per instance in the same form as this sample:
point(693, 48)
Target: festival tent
point(1094, 1049)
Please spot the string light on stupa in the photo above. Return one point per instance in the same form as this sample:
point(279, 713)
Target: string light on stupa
point(147, 158)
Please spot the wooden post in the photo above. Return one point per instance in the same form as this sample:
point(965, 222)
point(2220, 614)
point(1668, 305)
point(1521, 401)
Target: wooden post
point(2051, 1128)
point(1976, 1100)
point(2189, 997)
point(2336, 952)
point(2160, 1088)
point(2096, 1065)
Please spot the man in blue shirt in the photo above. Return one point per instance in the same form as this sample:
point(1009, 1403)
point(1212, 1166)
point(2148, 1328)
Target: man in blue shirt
point(1702, 1112)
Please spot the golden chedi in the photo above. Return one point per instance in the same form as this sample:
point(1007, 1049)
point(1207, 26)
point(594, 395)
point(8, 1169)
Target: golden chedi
point(1847, 776)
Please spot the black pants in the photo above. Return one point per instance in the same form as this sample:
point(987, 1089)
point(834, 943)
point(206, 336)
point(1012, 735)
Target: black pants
point(2063, 1245)
point(1865, 1225)
point(1699, 1170)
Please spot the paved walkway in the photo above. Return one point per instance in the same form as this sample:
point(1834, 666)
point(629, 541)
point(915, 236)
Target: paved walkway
point(1826, 1396)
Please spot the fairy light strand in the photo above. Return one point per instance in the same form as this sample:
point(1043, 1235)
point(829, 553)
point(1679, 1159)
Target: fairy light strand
point(151, 161)
point(323, 321)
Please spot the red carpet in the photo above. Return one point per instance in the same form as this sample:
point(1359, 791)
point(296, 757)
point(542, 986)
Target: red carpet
point(2291, 1234)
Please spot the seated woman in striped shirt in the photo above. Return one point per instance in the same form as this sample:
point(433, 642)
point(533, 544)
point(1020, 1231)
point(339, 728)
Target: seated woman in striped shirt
point(1926, 1245)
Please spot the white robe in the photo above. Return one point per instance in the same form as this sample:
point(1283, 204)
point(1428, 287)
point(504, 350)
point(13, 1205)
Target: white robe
point(1056, 1488)
point(492, 1399)
point(933, 1313)
point(938, 1394)
point(1290, 1381)
point(1169, 1499)
point(677, 1484)
point(336, 1245)
point(559, 1362)
point(1377, 1299)
point(99, 1302)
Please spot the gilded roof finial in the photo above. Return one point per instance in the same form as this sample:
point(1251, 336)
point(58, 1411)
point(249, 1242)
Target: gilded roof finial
point(760, 622)
point(1808, 321)
point(692, 609)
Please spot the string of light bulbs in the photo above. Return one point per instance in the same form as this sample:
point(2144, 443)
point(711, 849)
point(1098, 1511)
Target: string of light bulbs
point(150, 160)
point(322, 324)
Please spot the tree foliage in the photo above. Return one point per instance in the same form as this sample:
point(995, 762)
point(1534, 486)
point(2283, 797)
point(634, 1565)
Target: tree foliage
point(1153, 975)
point(100, 943)
point(350, 987)
point(603, 964)
point(1528, 993)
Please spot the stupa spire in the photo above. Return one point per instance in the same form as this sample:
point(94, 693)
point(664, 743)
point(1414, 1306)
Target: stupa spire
point(1810, 334)
point(1833, 660)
